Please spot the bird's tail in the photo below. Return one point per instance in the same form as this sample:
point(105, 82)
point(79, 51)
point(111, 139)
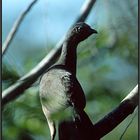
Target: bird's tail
point(84, 125)
point(80, 128)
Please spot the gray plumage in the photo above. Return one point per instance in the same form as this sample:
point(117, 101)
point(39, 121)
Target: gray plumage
point(59, 87)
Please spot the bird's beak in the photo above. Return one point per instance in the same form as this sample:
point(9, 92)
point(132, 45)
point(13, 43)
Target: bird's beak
point(93, 31)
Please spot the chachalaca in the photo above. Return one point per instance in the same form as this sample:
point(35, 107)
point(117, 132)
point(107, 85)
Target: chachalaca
point(59, 87)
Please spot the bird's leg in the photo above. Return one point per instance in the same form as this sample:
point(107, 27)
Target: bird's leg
point(52, 128)
point(51, 123)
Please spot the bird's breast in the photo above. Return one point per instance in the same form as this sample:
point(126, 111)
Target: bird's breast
point(52, 91)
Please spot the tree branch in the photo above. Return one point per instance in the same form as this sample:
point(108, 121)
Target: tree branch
point(16, 27)
point(16, 89)
point(115, 117)
point(85, 10)
point(67, 129)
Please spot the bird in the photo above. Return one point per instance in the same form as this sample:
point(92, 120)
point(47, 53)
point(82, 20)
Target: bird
point(59, 89)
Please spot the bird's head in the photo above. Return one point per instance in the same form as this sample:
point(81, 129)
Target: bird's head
point(80, 32)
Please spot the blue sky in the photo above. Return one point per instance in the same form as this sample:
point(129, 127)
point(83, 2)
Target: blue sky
point(45, 17)
point(47, 22)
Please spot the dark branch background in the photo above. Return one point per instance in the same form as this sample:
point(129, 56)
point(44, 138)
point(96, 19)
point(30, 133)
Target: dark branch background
point(107, 63)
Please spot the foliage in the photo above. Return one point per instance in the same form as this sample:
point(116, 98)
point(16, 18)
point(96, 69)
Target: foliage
point(107, 71)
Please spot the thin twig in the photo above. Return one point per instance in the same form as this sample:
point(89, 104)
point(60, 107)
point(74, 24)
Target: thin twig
point(16, 27)
point(128, 125)
point(25, 82)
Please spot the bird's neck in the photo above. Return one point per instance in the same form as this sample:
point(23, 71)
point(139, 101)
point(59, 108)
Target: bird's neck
point(68, 56)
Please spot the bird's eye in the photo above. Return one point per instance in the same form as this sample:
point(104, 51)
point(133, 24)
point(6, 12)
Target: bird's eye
point(78, 29)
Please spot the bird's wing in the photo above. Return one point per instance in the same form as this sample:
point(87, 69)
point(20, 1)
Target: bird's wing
point(73, 90)
point(59, 89)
